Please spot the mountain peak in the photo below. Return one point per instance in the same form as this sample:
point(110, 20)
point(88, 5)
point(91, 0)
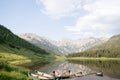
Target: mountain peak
point(64, 46)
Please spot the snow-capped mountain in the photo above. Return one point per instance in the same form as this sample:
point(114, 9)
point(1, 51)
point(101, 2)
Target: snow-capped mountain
point(64, 46)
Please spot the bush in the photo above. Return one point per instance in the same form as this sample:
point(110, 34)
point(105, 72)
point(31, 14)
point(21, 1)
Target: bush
point(9, 72)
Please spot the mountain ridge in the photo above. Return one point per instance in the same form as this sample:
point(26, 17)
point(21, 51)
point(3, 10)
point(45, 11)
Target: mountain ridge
point(42, 42)
point(64, 46)
point(110, 48)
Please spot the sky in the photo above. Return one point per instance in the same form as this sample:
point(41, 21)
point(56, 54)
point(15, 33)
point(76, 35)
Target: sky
point(58, 19)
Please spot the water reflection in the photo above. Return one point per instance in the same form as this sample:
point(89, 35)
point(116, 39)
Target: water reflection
point(109, 68)
point(62, 66)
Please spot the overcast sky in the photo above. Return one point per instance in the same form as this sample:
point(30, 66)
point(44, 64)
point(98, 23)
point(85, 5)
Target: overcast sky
point(57, 19)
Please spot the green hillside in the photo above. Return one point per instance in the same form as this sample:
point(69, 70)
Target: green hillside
point(6, 36)
point(16, 51)
point(111, 48)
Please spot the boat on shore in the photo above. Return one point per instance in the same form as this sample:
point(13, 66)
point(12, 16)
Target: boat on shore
point(99, 74)
point(44, 74)
point(37, 75)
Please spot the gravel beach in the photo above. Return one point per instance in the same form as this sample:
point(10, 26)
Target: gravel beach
point(92, 77)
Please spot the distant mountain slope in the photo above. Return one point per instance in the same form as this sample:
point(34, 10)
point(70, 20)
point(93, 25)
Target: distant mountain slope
point(79, 45)
point(13, 41)
point(63, 47)
point(41, 42)
point(111, 48)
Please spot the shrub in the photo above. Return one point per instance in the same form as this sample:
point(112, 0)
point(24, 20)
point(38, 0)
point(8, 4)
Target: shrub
point(13, 75)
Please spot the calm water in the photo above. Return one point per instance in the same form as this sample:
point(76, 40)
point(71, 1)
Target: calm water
point(109, 68)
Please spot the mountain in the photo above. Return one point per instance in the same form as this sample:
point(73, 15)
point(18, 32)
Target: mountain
point(15, 52)
point(7, 37)
point(42, 42)
point(79, 45)
point(63, 47)
point(111, 48)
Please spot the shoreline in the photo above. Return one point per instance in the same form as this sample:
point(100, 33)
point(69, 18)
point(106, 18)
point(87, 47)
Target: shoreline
point(91, 58)
point(92, 77)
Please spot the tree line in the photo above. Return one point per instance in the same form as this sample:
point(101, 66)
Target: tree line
point(111, 48)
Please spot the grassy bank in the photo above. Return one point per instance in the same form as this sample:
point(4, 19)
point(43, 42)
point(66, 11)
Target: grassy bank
point(15, 53)
point(91, 58)
point(11, 58)
point(59, 58)
point(10, 70)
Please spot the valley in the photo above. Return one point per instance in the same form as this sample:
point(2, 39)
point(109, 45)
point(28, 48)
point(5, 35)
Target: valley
point(64, 46)
point(15, 51)
point(19, 54)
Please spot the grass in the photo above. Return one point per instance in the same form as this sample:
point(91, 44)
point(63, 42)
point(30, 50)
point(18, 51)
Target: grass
point(59, 58)
point(13, 75)
point(84, 58)
point(21, 56)
point(10, 58)
point(91, 58)
point(14, 59)
point(11, 72)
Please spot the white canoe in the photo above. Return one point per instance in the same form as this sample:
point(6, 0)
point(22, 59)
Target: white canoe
point(44, 74)
point(38, 76)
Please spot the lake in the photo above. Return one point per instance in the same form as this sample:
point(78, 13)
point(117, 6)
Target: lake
point(109, 68)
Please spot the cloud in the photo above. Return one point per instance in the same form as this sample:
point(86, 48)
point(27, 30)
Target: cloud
point(95, 17)
point(102, 18)
point(57, 9)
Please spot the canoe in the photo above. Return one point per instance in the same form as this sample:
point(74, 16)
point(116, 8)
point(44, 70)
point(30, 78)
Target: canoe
point(35, 76)
point(78, 74)
point(99, 74)
point(52, 77)
point(44, 74)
